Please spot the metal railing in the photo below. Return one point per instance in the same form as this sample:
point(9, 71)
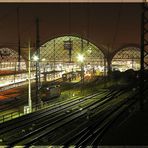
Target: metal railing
point(9, 116)
point(18, 113)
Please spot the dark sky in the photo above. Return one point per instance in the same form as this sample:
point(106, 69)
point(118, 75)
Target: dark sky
point(112, 24)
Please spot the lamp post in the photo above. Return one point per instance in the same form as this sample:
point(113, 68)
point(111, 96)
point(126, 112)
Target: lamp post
point(29, 79)
point(80, 58)
point(36, 59)
point(14, 73)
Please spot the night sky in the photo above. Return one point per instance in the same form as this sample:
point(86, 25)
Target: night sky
point(114, 25)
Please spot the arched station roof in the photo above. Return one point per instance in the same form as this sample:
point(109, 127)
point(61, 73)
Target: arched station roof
point(126, 58)
point(9, 60)
point(128, 53)
point(55, 50)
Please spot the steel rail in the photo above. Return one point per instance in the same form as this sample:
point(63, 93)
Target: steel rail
point(58, 107)
point(41, 132)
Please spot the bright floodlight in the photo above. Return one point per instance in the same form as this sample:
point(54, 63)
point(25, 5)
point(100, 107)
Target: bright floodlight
point(35, 58)
point(80, 58)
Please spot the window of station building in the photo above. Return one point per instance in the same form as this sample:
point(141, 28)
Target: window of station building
point(127, 58)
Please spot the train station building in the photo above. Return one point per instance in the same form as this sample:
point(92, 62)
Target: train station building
point(80, 30)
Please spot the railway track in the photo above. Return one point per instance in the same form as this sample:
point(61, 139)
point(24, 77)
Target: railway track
point(15, 103)
point(13, 107)
point(50, 120)
point(85, 126)
point(37, 115)
point(92, 132)
point(21, 100)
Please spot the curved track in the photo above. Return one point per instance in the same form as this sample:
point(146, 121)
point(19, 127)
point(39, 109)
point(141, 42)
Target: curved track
point(30, 128)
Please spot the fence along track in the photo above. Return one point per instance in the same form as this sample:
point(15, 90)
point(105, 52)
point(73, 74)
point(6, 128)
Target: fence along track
point(32, 137)
point(38, 115)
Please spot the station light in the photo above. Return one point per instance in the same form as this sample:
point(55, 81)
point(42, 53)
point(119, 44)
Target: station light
point(88, 75)
point(89, 50)
point(35, 58)
point(80, 58)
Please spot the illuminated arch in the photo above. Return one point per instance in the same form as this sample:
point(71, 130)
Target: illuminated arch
point(53, 52)
point(9, 60)
point(126, 58)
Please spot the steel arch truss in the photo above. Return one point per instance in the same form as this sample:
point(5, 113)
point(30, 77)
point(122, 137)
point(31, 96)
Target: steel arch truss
point(55, 52)
point(127, 58)
point(144, 39)
point(9, 60)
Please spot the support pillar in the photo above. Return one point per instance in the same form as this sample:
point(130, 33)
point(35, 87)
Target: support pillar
point(144, 50)
point(109, 66)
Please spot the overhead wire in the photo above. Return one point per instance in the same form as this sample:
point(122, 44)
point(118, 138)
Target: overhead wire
point(117, 25)
point(19, 37)
point(88, 21)
point(69, 30)
point(69, 18)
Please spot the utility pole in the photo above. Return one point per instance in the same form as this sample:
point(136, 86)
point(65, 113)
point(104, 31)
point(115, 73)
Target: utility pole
point(54, 59)
point(82, 64)
point(144, 50)
point(29, 80)
point(37, 62)
point(18, 30)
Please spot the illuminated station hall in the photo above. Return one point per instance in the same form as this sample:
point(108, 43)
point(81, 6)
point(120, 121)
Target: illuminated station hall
point(73, 74)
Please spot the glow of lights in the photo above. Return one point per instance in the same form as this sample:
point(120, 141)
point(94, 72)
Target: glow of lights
point(88, 74)
point(89, 51)
point(35, 58)
point(60, 64)
point(43, 59)
point(80, 58)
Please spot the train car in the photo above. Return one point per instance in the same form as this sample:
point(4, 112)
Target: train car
point(64, 77)
point(50, 92)
point(69, 76)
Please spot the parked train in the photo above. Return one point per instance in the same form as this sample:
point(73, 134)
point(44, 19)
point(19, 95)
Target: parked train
point(49, 92)
point(69, 76)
